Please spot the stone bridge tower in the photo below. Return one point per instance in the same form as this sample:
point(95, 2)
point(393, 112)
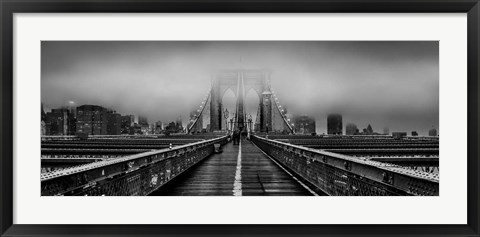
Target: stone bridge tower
point(240, 82)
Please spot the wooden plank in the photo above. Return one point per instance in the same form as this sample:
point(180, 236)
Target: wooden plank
point(215, 176)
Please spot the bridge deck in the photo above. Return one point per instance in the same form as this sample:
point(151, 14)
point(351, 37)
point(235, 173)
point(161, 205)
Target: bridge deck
point(248, 173)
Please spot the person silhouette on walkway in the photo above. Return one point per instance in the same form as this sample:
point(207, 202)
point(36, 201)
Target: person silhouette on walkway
point(236, 137)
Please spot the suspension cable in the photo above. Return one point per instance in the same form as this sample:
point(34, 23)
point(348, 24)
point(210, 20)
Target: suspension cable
point(281, 111)
point(199, 111)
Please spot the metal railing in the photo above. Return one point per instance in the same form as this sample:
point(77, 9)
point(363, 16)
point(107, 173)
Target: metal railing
point(135, 175)
point(341, 175)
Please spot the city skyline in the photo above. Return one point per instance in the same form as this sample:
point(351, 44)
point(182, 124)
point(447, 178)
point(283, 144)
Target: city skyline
point(387, 84)
point(298, 128)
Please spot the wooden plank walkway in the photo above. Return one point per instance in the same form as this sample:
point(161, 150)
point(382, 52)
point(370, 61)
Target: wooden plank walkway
point(245, 173)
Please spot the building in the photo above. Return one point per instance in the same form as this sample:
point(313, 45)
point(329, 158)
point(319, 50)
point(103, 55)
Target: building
point(127, 122)
point(43, 125)
point(59, 122)
point(158, 127)
point(135, 129)
point(72, 108)
point(303, 124)
point(432, 132)
point(145, 129)
point(43, 128)
point(386, 131)
point(398, 135)
point(351, 129)
point(368, 130)
point(91, 120)
point(43, 114)
point(140, 128)
point(72, 126)
point(142, 120)
point(179, 124)
point(174, 127)
point(414, 134)
point(334, 124)
point(114, 123)
point(171, 128)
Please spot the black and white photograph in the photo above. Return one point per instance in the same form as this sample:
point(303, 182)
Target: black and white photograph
point(239, 118)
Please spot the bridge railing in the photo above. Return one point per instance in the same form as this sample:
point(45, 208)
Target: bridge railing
point(134, 175)
point(340, 175)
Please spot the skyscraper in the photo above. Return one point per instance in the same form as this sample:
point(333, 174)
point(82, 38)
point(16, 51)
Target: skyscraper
point(334, 124)
point(432, 132)
point(143, 124)
point(59, 122)
point(43, 115)
point(43, 130)
point(158, 127)
point(179, 124)
point(92, 120)
point(114, 123)
point(351, 129)
point(142, 120)
point(72, 109)
point(386, 131)
point(127, 122)
point(304, 124)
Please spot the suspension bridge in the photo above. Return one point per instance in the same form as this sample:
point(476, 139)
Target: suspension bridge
point(270, 158)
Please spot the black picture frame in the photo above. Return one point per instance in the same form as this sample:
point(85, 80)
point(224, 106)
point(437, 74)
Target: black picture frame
point(9, 7)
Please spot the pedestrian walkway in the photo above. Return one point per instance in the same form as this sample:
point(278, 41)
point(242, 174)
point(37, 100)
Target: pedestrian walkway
point(240, 170)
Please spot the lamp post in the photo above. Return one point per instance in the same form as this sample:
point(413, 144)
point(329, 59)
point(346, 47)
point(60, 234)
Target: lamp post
point(250, 122)
point(234, 117)
point(226, 115)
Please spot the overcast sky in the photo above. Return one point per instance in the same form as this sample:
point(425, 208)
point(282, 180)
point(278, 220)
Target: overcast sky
point(393, 84)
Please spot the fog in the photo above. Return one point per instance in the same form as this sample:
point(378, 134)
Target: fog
point(394, 84)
